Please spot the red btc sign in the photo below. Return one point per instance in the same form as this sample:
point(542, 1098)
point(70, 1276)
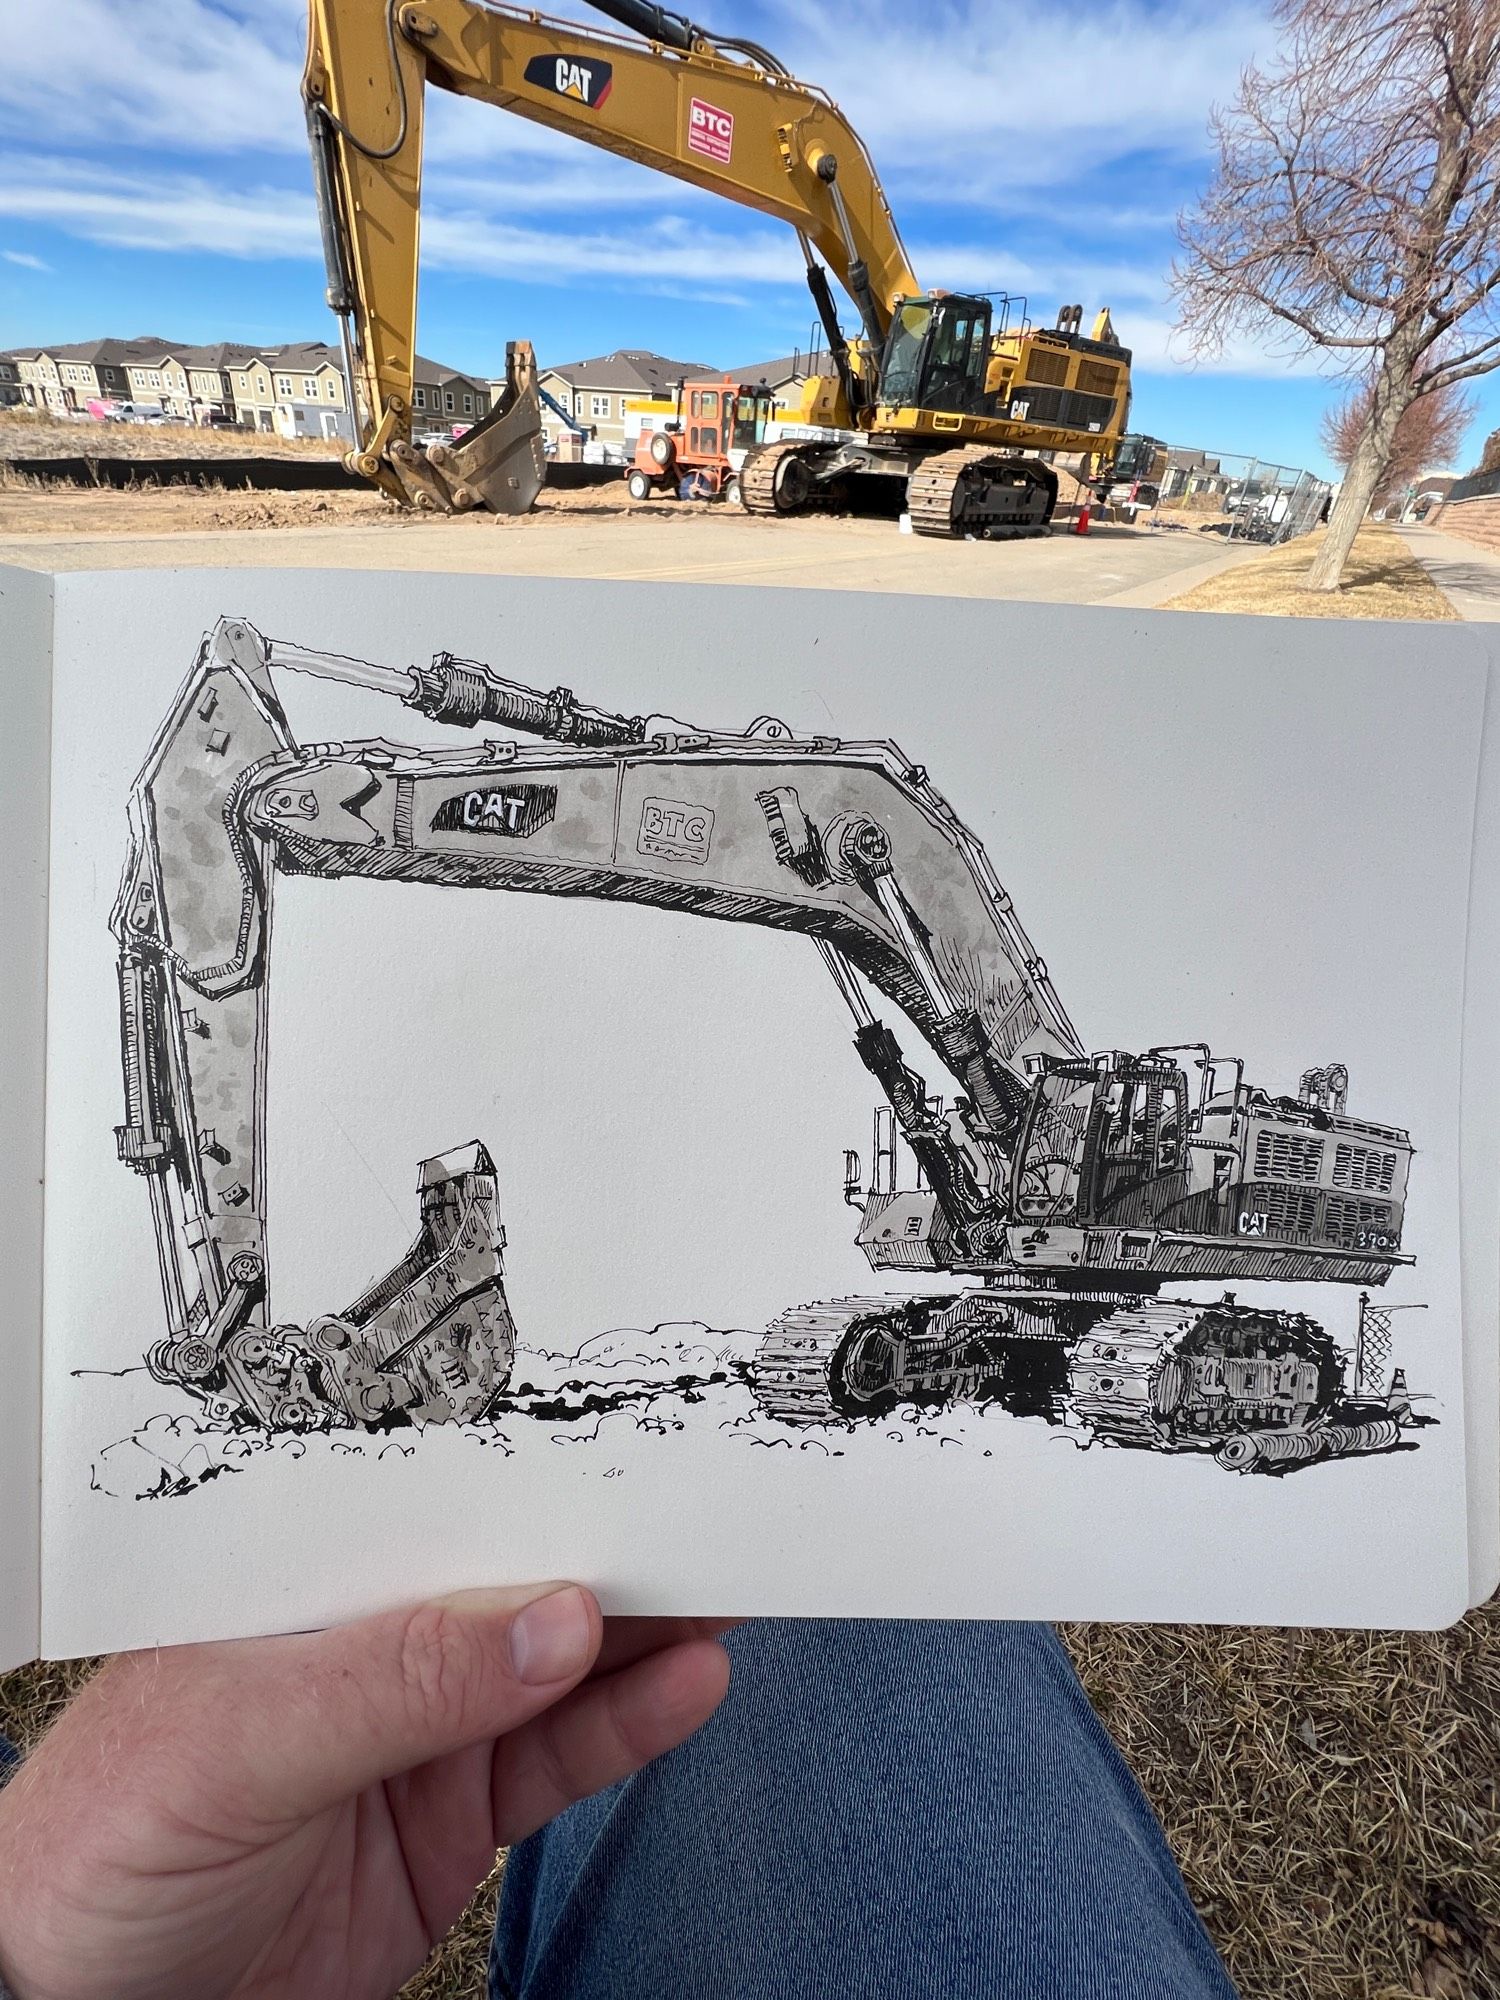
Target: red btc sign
point(710, 131)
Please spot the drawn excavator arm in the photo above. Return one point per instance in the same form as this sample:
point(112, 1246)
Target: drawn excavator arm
point(707, 113)
point(847, 843)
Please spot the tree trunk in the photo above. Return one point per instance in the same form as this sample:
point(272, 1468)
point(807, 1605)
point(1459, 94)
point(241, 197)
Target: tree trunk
point(1392, 394)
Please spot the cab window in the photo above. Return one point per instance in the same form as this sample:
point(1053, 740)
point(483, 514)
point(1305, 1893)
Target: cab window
point(750, 419)
point(1169, 1129)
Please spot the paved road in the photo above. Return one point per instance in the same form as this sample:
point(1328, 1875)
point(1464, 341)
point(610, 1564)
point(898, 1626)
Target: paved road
point(1113, 565)
point(1468, 577)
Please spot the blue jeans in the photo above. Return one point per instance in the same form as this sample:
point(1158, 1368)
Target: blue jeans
point(915, 1811)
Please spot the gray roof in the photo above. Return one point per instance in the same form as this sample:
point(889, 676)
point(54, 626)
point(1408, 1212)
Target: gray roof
point(786, 368)
point(427, 372)
point(634, 370)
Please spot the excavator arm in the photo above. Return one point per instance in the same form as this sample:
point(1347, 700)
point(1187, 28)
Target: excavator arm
point(718, 114)
point(849, 844)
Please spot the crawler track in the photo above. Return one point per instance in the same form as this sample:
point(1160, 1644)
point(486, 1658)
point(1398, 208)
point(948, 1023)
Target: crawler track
point(764, 488)
point(792, 1373)
point(972, 491)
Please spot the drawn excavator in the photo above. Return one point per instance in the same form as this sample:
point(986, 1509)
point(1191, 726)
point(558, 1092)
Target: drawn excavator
point(1068, 1188)
point(943, 402)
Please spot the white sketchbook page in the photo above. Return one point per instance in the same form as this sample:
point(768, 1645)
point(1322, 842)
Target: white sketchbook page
point(1248, 831)
point(25, 690)
point(1481, 1160)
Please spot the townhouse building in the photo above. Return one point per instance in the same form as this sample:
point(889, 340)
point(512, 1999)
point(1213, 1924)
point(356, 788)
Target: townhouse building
point(295, 389)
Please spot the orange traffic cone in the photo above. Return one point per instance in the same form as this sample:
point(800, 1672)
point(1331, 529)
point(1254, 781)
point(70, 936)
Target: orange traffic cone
point(1081, 525)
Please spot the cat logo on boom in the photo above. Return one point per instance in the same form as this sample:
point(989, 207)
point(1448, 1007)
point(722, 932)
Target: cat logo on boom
point(586, 83)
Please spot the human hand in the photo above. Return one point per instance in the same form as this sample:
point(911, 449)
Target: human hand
point(308, 1815)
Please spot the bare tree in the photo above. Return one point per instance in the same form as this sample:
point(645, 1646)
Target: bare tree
point(1355, 209)
point(1489, 458)
point(1428, 434)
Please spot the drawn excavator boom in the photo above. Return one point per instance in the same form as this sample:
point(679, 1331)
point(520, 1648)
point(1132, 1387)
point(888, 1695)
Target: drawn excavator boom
point(941, 394)
point(1070, 1185)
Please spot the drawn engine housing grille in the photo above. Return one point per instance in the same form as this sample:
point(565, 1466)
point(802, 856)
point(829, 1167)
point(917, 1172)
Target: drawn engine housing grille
point(1288, 1156)
point(1288, 1211)
point(1364, 1169)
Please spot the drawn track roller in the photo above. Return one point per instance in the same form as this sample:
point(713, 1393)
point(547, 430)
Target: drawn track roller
point(1166, 1374)
point(843, 1359)
point(973, 491)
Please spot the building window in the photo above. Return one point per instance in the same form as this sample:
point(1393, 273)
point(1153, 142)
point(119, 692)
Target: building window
point(309, 386)
point(598, 406)
point(283, 385)
point(448, 400)
point(419, 397)
point(468, 406)
point(239, 381)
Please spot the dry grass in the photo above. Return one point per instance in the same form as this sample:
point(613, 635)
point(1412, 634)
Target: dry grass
point(1382, 579)
point(26, 433)
point(1333, 1798)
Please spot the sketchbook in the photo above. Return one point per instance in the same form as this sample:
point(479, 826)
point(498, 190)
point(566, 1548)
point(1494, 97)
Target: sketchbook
point(763, 1101)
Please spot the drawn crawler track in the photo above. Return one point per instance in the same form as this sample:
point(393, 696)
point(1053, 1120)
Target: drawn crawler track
point(792, 1372)
point(1256, 1386)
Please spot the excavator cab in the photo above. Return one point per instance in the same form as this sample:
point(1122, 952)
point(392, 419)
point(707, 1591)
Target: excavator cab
point(936, 355)
point(1104, 1140)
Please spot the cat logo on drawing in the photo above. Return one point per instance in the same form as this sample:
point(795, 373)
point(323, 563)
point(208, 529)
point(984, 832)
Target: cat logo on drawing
point(586, 83)
point(511, 812)
point(675, 831)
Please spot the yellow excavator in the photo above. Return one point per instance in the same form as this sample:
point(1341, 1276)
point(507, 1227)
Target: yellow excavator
point(938, 398)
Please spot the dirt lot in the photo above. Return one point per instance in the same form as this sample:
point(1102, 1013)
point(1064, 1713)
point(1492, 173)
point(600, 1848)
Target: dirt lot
point(32, 434)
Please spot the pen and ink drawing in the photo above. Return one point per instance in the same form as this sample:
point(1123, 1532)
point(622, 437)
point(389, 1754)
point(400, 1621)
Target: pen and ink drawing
point(1066, 1190)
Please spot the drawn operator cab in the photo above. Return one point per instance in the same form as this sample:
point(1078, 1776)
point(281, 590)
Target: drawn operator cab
point(1123, 1162)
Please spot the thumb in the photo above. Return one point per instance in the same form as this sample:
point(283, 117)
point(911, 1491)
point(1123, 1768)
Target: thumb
point(295, 1724)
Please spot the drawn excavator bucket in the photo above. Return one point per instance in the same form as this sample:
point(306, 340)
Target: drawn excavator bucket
point(500, 464)
point(431, 1342)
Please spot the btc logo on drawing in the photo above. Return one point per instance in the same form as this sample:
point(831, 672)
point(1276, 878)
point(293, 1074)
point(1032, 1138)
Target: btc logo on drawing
point(710, 130)
point(675, 831)
point(585, 83)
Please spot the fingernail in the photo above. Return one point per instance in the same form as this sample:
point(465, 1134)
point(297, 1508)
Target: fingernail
point(551, 1639)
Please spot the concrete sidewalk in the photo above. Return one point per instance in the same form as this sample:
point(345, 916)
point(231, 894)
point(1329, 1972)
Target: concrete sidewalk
point(1468, 577)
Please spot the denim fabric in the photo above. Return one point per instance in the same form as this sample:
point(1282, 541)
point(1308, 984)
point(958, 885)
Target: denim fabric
point(10, 1757)
point(918, 1811)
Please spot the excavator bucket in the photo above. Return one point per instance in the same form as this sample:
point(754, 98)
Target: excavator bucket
point(500, 463)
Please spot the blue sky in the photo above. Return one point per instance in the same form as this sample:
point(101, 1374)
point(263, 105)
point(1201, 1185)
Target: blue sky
point(153, 178)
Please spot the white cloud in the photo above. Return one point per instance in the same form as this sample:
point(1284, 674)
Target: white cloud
point(680, 255)
point(971, 98)
point(25, 259)
point(960, 100)
point(184, 74)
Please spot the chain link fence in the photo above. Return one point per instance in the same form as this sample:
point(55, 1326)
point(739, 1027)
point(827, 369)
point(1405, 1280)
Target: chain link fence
point(1222, 493)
